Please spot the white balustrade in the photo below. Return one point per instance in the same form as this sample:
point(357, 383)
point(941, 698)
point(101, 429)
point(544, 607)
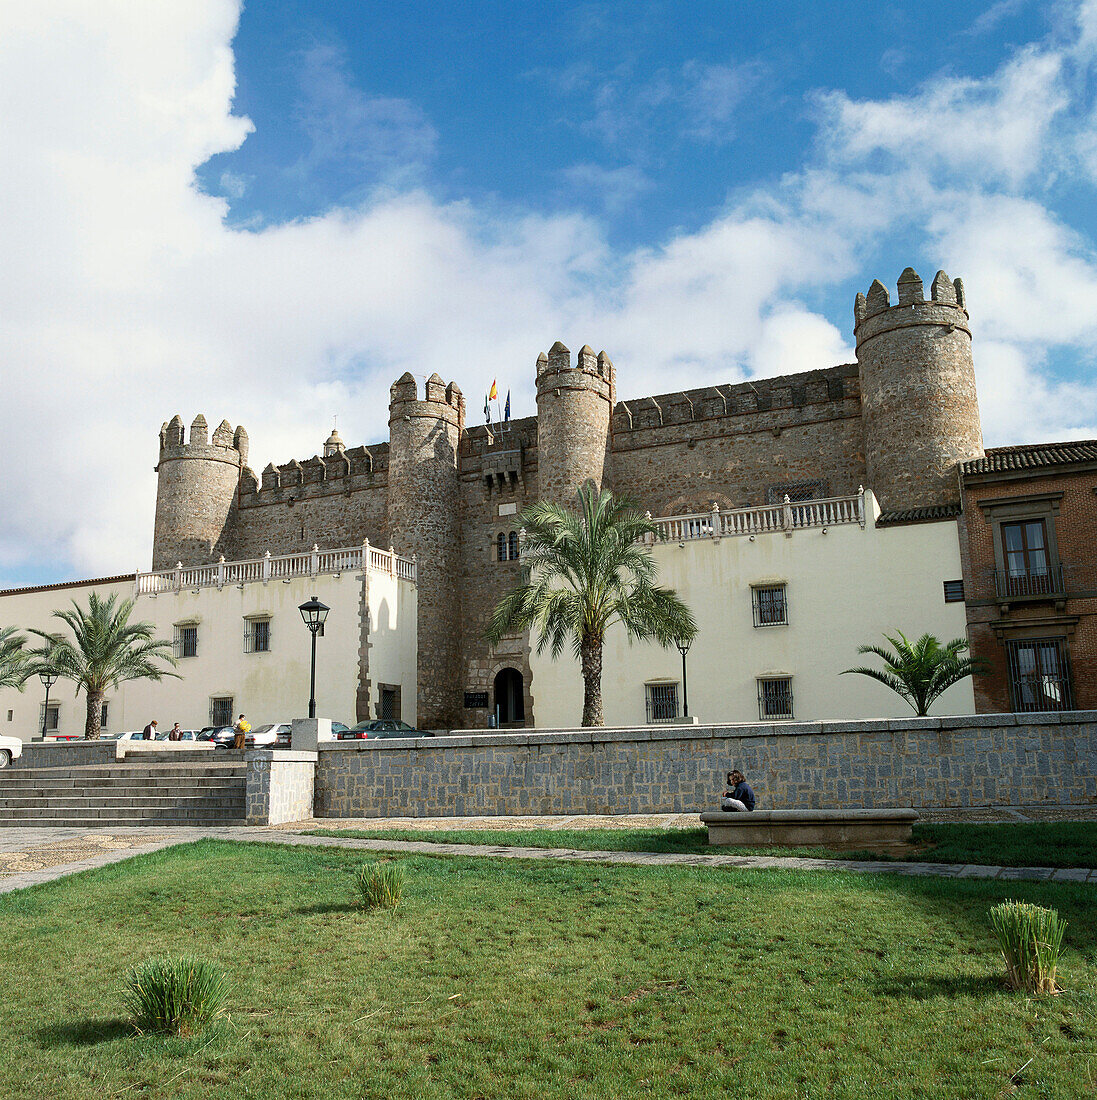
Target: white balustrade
point(786, 517)
point(276, 567)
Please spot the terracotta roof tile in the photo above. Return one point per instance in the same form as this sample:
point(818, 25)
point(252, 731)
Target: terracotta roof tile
point(918, 515)
point(1032, 455)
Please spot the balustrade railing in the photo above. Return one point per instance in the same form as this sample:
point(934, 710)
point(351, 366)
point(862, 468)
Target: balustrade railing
point(277, 567)
point(787, 517)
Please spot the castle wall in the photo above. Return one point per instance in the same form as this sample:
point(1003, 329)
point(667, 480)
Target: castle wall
point(740, 445)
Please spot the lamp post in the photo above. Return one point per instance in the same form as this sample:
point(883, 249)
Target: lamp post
point(314, 613)
point(683, 645)
point(48, 678)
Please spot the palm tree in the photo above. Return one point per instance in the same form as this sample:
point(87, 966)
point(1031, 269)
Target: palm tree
point(583, 571)
point(14, 660)
point(920, 672)
point(106, 650)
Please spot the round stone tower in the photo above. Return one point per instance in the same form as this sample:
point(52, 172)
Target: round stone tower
point(919, 409)
point(424, 520)
point(573, 410)
point(196, 492)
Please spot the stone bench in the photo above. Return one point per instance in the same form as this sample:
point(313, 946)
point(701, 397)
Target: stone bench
point(809, 828)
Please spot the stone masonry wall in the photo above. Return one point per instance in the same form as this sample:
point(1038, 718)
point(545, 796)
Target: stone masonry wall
point(280, 786)
point(995, 760)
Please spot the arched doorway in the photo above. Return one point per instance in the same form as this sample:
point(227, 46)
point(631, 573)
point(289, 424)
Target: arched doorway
point(510, 701)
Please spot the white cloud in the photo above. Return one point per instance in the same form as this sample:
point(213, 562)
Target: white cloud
point(617, 189)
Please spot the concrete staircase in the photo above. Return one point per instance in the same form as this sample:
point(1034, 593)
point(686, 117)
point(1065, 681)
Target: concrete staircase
point(155, 789)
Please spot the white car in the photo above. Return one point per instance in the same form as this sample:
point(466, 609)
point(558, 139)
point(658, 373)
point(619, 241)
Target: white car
point(10, 748)
point(131, 735)
point(266, 737)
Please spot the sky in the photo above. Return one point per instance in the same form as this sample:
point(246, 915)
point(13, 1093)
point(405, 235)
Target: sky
point(268, 212)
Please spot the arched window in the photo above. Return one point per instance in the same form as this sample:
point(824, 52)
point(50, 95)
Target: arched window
point(502, 544)
point(514, 546)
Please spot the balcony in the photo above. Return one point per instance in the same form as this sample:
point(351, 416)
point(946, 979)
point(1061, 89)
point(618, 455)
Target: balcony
point(1013, 587)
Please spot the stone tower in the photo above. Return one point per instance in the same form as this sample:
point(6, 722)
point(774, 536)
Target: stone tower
point(918, 404)
point(573, 413)
point(424, 519)
point(196, 492)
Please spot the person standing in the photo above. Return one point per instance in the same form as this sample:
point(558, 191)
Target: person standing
point(149, 731)
point(175, 733)
point(240, 731)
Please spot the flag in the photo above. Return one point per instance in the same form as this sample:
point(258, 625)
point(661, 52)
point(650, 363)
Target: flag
point(494, 394)
point(487, 411)
point(506, 412)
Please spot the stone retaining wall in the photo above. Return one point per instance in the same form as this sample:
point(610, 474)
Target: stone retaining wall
point(279, 786)
point(977, 760)
point(67, 754)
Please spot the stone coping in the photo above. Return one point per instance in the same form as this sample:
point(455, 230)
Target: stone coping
point(288, 756)
point(806, 817)
point(467, 739)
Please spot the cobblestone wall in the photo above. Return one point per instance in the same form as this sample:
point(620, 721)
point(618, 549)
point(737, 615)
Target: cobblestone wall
point(995, 760)
point(279, 786)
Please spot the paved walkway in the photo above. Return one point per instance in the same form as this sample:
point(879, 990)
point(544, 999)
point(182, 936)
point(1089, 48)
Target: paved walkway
point(29, 857)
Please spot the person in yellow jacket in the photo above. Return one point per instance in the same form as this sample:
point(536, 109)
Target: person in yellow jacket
point(242, 727)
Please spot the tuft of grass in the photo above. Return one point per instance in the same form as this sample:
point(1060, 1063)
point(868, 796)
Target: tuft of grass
point(380, 884)
point(175, 995)
point(1031, 939)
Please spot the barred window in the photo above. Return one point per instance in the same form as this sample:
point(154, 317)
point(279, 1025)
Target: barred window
point(770, 605)
point(775, 698)
point(513, 539)
point(186, 641)
point(220, 710)
point(662, 701)
point(796, 491)
point(103, 715)
point(1039, 675)
point(954, 591)
point(257, 635)
point(501, 544)
point(49, 718)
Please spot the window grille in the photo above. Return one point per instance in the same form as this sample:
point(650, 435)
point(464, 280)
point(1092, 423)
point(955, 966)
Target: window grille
point(220, 711)
point(796, 491)
point(257, 635)
point(954, 591)
point(103, 713)
point(775, 698)
point(770, 605)
point(52, 715)
point(513, 537)
point(501, 544)
point(1039, 675)
point(186, 641)
point(388, 704)
point(662, 701)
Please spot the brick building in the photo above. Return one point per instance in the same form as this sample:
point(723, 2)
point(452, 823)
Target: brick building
point(1030, 575)
point(897, 422)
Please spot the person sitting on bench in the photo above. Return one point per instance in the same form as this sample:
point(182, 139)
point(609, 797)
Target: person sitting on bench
point(738, 797)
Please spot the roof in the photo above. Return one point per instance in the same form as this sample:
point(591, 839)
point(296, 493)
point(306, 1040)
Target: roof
point(1032, 456)
point(918, 515)
point(127, 577)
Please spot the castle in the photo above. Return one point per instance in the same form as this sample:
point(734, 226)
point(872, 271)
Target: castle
point(898, 422)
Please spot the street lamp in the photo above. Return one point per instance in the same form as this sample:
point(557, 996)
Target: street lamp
point(314, 613)
point(48, 678)
point(683, 645)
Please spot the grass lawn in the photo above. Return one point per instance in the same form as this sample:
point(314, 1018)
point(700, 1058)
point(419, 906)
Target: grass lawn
point(510, 980)
point(1050, 844)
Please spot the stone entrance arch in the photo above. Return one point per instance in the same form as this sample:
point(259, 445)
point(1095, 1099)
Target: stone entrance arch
point(510, 700)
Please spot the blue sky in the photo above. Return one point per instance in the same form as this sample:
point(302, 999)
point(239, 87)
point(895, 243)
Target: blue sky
point(268, 213)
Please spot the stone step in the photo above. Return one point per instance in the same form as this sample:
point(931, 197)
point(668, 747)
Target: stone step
point(17, 786)
point(84, 821)
point(227, 799)
point(117, 772)
point(47, 814)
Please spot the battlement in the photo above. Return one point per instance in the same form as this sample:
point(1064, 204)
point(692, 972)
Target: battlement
point(555, 368)
point(773, 402)
point(440, 401)
point(945, 295)
point(319, 475)
point(226, 445)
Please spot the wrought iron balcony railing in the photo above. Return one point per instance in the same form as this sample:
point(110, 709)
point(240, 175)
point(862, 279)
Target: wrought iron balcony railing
point(1030, 585)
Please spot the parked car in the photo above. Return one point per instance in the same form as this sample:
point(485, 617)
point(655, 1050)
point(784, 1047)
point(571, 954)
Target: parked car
point(266, 737)
point(187, 735)
point(10, 749)
point(130, 735)
point(381, 727)
point(221, 736)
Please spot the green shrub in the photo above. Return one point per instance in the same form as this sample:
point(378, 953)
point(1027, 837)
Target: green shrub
point(175, 996)
point(380, 884)
point(1031, 938)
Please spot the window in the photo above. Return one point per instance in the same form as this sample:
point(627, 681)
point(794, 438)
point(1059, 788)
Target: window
point(775, 698)
point(1026, 555)
point(662, 701)
point(770, 605)
point(954, 591)
point(506, 546)
point(796, 491)
point(186, 640)
point(104, 711)
point(220, 710)
point(1039, 674)
point(1025, 550)
point(11, 715)
point(52, 717)
point(256, 636)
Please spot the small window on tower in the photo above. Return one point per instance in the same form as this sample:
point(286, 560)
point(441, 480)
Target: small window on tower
point(501, 547)
point(513, 545)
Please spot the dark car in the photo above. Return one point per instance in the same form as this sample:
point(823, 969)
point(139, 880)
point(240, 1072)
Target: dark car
point(221, 736)
point(381, 727)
